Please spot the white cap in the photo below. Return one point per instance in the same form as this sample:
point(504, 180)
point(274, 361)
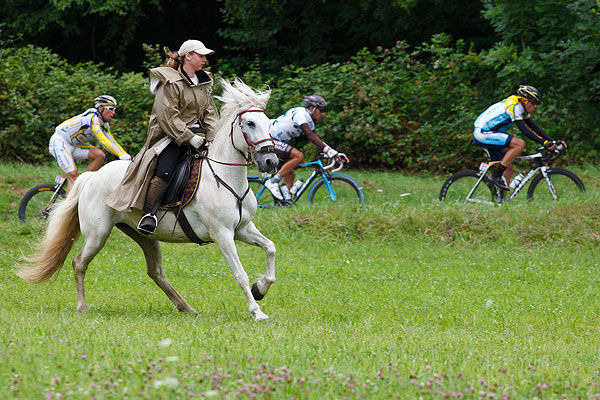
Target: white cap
point(194, 45)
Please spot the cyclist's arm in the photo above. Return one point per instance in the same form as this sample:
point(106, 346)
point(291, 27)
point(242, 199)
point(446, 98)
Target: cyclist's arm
point(105, 138)
point(312, 136)
point(531, 130)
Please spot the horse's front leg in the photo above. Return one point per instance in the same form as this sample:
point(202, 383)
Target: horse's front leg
point(227, 246)
point(251, 235)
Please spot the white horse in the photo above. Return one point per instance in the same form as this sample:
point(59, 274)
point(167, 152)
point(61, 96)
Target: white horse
point(221, 210)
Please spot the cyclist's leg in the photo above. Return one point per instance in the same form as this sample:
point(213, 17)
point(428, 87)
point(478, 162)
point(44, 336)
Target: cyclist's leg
point(287, 170)
point(497, 144)
point(283, 151)
point(63, 153)
point(96, 157)
point(514, 150)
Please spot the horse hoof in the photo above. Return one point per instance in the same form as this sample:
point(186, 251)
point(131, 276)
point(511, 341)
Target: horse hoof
point(256, 293)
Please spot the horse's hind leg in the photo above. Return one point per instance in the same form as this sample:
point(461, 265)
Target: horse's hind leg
point(154, 267)
point(251, 235)
point(91, 247)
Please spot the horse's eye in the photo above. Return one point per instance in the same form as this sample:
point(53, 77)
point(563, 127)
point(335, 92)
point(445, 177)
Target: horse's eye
point(251, 124)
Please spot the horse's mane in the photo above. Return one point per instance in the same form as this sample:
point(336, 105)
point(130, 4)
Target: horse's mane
point(239, 96)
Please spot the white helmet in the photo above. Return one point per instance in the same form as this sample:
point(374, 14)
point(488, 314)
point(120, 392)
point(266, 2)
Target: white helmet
point(315, 101)
point(105, 100)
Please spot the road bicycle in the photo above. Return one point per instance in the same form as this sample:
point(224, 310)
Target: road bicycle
point(324, 186)
point(547, 183)
point(38, 201)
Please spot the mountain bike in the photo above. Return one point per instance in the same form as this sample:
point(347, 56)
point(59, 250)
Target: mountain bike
point(323, 186)
point(547, 183)
point(39, 200)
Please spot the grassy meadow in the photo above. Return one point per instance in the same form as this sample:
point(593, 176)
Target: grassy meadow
point(405, 297)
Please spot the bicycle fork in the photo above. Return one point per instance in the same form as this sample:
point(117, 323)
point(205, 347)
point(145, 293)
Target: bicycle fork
point(546, 176)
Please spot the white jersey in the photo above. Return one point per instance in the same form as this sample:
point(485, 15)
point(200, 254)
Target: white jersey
point(287, 126)
point(82, 127)
point(500, 117)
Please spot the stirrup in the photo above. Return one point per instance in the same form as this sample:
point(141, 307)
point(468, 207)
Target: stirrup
point(146, 229)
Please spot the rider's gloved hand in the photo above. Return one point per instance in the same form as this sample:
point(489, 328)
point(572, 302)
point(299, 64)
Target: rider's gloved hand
point(549, 145)
point(125, 156)
point(329, 152)
point(196, 141)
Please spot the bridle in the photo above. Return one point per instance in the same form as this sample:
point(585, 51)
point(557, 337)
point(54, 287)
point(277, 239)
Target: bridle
point(247, 156)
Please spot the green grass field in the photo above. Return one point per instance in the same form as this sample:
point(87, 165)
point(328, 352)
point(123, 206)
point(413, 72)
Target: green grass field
point(402, 298)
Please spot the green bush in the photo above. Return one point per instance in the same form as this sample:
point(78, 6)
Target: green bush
point(390, 108)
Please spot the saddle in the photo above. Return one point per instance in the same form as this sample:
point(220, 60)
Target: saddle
point(182, 187)
point(184, 183)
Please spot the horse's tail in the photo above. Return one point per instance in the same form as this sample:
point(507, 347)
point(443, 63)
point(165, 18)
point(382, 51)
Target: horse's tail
point(61, 232)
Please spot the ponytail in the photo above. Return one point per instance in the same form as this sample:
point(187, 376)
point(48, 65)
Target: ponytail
point(175, 60)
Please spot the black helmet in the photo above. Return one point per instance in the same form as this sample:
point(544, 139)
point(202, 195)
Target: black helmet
point(315, 101)
point(530, 93)
point(105, 100)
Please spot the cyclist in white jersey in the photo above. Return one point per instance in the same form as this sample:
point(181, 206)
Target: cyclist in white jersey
point(295, 122)
point(492, 124)
point(69, 140)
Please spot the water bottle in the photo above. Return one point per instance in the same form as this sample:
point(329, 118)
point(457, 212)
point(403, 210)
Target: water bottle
point(297, 185)
point(285, 193)
point(517, 181)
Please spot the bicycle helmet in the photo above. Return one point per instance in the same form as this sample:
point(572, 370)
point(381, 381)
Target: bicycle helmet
point(530, 93)
point(315, 101)
point(105, 100)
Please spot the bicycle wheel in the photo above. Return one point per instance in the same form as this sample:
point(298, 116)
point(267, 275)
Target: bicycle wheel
point(36, 202)
point(262, 194)
point(346, 191)
point(565, 184)
point(458, 186)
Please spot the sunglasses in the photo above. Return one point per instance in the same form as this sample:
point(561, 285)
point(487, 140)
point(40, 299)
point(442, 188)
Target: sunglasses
point(111, 109)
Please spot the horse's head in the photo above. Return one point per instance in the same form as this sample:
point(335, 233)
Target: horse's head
point(254, 127)
point(249, 131)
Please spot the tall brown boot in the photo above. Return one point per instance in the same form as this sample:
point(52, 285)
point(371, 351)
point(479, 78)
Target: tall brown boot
point(148, 222)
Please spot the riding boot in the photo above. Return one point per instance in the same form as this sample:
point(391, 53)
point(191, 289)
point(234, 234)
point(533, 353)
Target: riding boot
point(148, 222)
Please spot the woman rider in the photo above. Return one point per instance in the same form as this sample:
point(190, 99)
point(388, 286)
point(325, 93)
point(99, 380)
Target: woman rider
point(182, 105)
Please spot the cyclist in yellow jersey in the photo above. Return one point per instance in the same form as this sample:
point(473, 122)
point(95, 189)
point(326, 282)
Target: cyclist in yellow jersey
point(69, 140)
point(492, 124)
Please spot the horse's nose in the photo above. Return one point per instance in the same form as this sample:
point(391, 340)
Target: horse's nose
point(272, 164)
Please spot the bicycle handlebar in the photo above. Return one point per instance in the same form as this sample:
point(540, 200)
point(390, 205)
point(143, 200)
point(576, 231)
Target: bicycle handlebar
point(553, 154)
point(332, 163)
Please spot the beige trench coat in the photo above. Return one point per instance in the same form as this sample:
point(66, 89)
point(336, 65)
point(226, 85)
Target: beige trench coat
point(178, 104)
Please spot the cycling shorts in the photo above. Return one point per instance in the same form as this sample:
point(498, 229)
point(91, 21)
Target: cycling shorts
point(66, 154)
point(495, 142)
point(282, 151)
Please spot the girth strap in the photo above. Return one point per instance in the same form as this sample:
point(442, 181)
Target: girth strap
point(187, 228)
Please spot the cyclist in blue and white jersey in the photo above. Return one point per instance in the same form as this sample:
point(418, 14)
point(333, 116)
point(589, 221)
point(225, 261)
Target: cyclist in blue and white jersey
point(492, 124)
point(295, 122)
point(69, 140)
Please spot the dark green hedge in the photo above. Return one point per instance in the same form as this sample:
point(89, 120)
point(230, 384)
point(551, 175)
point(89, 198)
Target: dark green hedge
point(394, 108)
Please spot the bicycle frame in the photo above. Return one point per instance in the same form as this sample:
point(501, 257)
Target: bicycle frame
point(320, 171)
point(541, 167)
